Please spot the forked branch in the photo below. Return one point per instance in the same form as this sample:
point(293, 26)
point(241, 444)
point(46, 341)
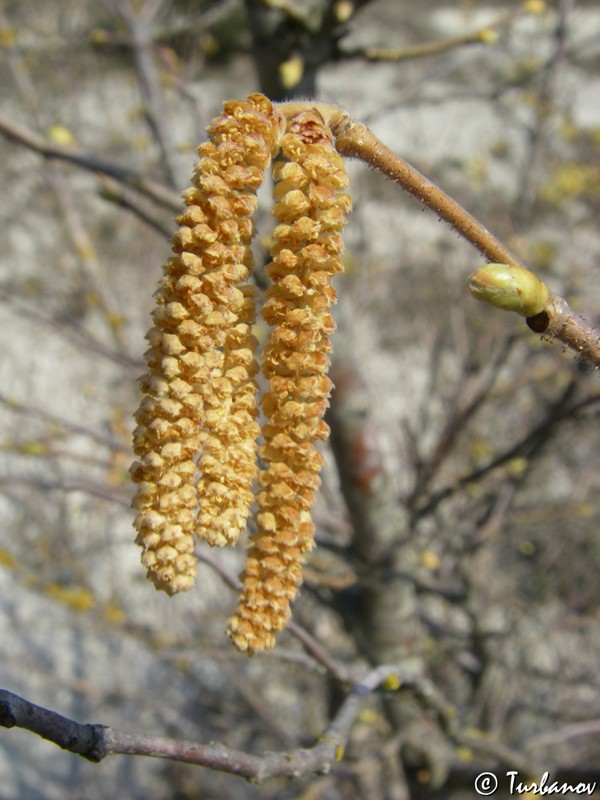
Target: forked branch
point(555, 321)
point(95, 742)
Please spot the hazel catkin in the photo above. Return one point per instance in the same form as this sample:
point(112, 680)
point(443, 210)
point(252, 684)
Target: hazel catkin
point(311, 209)
point(196, 432)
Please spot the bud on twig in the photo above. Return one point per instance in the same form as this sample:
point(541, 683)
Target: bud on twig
point(511, 288)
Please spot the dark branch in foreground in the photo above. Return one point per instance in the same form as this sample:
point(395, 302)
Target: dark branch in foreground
point(95, 742)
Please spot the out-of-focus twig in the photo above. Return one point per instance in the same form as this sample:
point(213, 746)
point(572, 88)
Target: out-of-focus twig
point(76, 231)
point(95, 742)
point(70, 333)
point(484, 35)
point(561, 735)
point(522, 447)
point(156, 191)
point(104, 492)
point(120, 195)
point(473, 393)
point(65, 424)
point(139, 26)
point(193, 24)
point(310, 644)
point(550, 76)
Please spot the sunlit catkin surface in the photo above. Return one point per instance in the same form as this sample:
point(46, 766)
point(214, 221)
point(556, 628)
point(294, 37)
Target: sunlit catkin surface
point(311, 208)
point(200, 388)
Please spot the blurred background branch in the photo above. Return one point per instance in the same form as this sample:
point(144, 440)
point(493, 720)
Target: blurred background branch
point(458, 518)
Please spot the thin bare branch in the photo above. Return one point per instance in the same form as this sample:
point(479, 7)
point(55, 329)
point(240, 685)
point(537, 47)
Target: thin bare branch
point(540, 433)
point(561, 735)
point(139, 26)
point(95, 742)
point(76, 336)
point(66, 425)
point(471, 395)
point(47, 485)
point(484, 35)
point(355, 140)
point(557, 321)
point(120, 195)
point(156, 191)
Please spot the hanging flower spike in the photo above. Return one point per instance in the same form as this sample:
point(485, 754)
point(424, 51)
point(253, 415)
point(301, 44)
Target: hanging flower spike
point(311, 208)
point(199, 389)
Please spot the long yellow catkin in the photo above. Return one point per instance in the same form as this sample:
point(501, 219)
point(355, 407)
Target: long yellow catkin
point(200, 388)
point(311, 208)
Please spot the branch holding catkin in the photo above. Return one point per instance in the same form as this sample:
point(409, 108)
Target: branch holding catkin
point(197, 432)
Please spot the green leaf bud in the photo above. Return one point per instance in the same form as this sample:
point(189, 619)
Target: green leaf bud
point(511, 288)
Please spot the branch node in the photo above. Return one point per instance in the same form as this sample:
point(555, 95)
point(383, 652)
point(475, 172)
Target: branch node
point(7, 718)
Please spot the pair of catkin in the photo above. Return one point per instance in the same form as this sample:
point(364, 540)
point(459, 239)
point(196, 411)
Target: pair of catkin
point(197, 432)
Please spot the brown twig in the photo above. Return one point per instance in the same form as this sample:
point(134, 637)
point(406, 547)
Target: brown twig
point(95, 742)
point(355, 140)
point(139, 26)
point(559, 321)
point(156, 191)
point(483, 35)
